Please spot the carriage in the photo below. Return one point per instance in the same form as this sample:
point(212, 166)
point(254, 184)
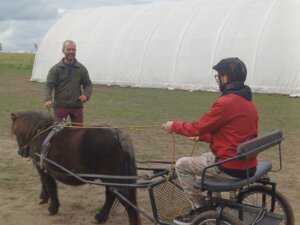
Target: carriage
point(228, 201)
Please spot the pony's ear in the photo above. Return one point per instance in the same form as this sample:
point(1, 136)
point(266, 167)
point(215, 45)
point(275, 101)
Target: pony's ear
point(13, 116)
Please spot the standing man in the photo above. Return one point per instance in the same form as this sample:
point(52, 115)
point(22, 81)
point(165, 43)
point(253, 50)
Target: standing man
point(232, 119)
point(72, 87)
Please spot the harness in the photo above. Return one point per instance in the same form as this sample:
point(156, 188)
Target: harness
point(46, 143)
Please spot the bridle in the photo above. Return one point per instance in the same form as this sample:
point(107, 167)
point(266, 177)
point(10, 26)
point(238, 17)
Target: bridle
point(23, 149)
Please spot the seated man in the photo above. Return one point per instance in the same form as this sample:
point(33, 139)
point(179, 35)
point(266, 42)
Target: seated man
point(232, 119)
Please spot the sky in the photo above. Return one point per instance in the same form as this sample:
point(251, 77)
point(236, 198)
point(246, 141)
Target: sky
point(24, 23)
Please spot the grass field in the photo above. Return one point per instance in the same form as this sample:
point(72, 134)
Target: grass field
point(141, 107)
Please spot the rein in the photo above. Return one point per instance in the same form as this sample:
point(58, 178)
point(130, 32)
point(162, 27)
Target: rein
point(62, 125)
point(36, 135)
point(137, 128)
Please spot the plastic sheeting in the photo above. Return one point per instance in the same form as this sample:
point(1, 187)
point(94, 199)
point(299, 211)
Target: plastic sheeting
point(174, 45)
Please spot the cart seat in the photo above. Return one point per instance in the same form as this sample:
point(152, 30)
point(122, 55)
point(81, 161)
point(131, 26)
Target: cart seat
point(245, 150)
point(221, 184)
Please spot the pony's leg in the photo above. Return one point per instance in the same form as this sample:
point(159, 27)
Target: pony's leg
point(44, 196)
point(51, 189)
point(102, 216)
point(130, 195)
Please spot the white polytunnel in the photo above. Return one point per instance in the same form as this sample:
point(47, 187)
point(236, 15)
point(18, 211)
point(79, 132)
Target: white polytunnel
point(175, 44)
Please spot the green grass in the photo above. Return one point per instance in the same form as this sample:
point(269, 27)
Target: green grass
point(278, 111)
point(146, 105)
point(14, 64)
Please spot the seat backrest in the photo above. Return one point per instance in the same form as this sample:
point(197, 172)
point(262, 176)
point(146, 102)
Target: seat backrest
point(259, 144)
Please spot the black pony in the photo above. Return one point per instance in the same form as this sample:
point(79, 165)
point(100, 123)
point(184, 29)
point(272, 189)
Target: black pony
point(86, 151)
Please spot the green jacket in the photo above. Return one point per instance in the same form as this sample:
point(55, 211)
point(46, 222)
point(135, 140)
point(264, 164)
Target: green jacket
point(68, 85)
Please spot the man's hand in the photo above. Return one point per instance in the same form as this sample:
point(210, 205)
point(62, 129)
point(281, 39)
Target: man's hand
point(194, 138)
point(83, 98)
point(48, 104)
point(167, 126)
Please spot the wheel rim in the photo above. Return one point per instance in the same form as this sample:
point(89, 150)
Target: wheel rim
point(264, 199)
point(212, 222)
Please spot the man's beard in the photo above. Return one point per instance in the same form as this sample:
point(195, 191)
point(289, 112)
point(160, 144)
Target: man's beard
point(222, 87)
point(70, 57)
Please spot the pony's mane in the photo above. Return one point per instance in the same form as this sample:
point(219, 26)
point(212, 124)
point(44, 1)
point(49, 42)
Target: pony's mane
point(30, 122)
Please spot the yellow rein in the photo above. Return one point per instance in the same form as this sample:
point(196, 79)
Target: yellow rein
point(136, 128)
point(38, 133)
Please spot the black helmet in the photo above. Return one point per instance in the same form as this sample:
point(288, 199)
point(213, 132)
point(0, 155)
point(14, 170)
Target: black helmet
point(234, 68)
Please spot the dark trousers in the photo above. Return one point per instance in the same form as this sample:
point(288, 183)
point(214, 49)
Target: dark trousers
point(75, 114)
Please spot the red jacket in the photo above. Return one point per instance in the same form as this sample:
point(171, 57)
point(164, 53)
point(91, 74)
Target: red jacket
point(231, 121)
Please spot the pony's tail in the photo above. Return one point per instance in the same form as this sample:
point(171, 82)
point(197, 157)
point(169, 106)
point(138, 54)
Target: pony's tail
point(131, 170)
point(129, 156)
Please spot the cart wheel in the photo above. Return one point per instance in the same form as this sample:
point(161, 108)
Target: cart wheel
point(209, 218)
point(260, 195)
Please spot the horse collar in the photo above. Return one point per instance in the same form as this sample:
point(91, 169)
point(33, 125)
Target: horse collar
point(46, 143)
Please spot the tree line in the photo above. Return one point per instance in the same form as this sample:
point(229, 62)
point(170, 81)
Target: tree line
point(35, 45)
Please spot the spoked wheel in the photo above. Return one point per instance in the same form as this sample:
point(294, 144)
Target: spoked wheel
point(210, 217)
point(261, 196)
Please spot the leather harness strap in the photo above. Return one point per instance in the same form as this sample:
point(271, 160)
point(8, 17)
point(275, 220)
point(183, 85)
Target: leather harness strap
point(46, 143)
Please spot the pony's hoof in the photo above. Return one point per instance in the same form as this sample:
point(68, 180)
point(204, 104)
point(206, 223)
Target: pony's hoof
point(100, 218)
point(53, 210)
point(43, 201)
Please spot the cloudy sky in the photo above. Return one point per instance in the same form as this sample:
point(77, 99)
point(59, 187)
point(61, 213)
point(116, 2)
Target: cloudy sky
point(25, 22)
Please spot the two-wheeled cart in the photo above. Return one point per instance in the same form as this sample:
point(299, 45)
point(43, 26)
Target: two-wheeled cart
point(230, 201)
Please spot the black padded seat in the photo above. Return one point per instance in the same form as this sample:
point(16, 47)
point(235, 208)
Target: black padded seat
point(221, 184)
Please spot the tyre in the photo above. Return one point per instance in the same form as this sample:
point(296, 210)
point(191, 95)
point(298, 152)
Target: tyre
point(209, 218)
point(260, 195)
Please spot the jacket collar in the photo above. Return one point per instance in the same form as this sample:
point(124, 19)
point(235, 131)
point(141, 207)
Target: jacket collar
point(238, 88)
point(61, 63)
